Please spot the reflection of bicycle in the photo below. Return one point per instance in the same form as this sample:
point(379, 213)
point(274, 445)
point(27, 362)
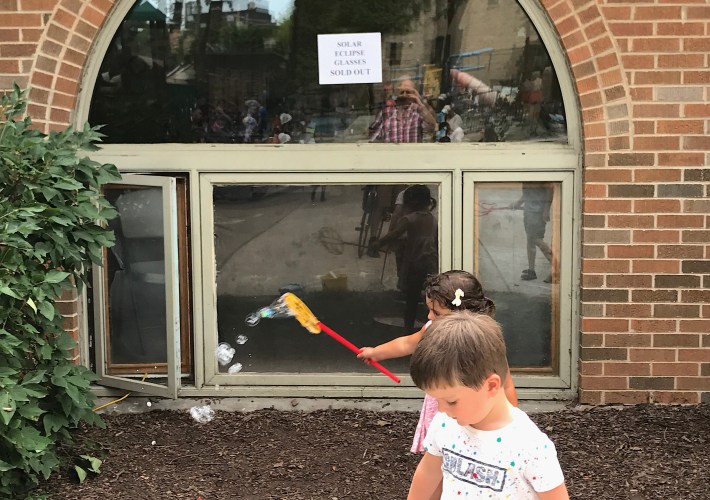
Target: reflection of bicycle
point(365, 229)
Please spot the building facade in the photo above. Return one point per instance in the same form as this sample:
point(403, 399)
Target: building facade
point(626, 315)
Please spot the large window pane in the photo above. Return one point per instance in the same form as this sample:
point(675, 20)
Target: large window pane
point(247, 72)
point(319, 242)
point(517, 242)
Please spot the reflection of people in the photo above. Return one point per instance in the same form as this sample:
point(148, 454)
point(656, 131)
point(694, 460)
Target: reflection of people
point(404, 120)
point(441, 299)
point(535, 203)
point(420, 250)
point(461, 362)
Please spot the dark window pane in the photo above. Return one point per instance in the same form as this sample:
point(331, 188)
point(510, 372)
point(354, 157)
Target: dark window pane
point(238, 72)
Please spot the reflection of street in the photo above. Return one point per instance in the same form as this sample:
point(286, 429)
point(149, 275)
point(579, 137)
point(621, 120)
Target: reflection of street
point(524, 308)
point(281, 238)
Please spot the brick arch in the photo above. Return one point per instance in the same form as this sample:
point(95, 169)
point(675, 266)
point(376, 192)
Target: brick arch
point(62, 53)
point(602, 86)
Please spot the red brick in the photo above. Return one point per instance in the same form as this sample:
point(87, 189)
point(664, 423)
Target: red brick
point(629, 281)
point(660, 13)
point(626, 369)
point(681, 159)
point(695, 325)
point(657, 110)
point(661, 174)
point(655, 45)
point(629, 310)
point(9, 35)
point(605, 325)
point(639, 61)
point(696, 45)
point(674, 369)
point(9, 66)
point(608, 175)
point(43, 5)
point(656, 143)
point(591, 367)
point(604, 383)
point(680, 221)
point(590, 397)
point(630, 221)
point(92, 16)
point(675, 397)
point(19, 20)
point(696, 77)
point(626, 397)
point(697, 110)
point(681, 126)
point(656, 206)
point(701, 142)
point(653, 325)
point(679, 29)
point(608, 266)
point(693, 383)
point(655, 266)
point(657, 236)
point(639, 354)
point(623, 29)
point(630, 251)
point(608, 206)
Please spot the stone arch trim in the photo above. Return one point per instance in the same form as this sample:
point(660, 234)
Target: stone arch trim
point(601, 83)
point(62, 53)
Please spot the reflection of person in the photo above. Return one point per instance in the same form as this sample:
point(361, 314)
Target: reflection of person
point(479, 444)
point(535, 203)
point(404, 120)
point(441, 299)
point(531, 98)
point(420, 250)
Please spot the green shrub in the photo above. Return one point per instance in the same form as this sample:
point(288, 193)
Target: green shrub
point(52, 218)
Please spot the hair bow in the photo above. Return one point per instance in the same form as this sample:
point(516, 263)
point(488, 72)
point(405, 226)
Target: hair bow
point(457, 297)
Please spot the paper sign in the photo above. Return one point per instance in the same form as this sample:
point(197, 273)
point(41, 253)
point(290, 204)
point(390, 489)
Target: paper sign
point(350, 58)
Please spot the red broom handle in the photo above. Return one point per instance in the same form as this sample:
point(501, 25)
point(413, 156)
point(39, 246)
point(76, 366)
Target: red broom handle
point(356, 350)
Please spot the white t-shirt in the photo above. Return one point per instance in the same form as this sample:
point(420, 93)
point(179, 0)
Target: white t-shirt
point(513, 462)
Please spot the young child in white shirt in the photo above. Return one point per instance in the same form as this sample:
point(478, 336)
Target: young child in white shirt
point(479, 445)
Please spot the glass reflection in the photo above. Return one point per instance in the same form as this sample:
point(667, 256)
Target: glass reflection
point(355, 254)
point(136, 278)
point(516, 258)
point(247, 72)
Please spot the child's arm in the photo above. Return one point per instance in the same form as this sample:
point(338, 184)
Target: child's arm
point(510, 391)
point(397, 348)
point(427, 478)
point(559, 493)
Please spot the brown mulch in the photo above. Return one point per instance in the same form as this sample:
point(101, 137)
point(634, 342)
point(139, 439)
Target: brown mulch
point(641, 452)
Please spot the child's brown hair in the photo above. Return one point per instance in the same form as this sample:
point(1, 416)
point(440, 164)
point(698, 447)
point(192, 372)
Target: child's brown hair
point(461, 348)
point(442, 288)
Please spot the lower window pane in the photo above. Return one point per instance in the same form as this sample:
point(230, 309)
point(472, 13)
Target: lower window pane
point(319, 243)
point(517, 241)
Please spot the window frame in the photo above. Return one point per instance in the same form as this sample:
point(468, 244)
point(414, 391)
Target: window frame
point(319, 161)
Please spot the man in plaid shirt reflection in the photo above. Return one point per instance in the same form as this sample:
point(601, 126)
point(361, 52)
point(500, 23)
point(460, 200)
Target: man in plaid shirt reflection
point(405, 119)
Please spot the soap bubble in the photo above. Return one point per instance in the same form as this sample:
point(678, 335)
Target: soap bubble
point(225, 353)
point(202, 414)
point(241, 339)
point(252, 319)
point(235, 368)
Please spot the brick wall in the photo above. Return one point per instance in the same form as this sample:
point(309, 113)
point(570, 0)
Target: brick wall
point(640, 70)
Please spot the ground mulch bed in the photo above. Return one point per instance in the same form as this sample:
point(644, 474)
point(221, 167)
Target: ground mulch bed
point(640, 452)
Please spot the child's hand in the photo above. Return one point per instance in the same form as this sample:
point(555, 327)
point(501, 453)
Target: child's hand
point(367, 354)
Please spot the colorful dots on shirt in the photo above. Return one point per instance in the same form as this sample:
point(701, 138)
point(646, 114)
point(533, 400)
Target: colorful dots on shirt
point(499, 440)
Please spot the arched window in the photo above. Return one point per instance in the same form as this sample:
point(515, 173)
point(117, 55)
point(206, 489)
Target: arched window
point(295, 145)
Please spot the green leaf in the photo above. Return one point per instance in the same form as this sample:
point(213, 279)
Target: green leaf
point(7, 291)
point(53, 422)
point(81, 473)
point(31, 303)
point(4, 466)
point(30, 411)
point(46, 309)
point(94, 462)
